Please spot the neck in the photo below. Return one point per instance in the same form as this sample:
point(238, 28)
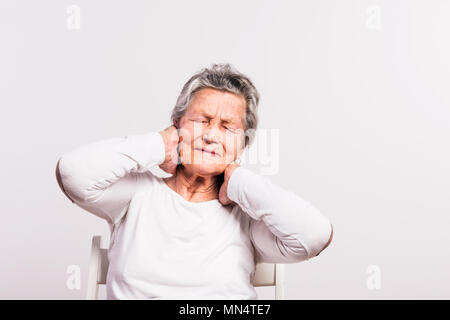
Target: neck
point(194, 187)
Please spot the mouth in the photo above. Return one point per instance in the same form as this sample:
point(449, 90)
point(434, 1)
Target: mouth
point(207, 152)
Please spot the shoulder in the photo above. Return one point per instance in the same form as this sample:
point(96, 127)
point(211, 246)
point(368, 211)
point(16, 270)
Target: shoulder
point(147, 180)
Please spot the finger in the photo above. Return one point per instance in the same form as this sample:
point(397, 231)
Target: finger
point(180, 155)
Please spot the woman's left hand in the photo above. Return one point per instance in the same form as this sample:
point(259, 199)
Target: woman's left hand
point(223, 196)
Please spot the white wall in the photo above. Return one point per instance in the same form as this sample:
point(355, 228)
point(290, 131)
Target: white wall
point(357, 89)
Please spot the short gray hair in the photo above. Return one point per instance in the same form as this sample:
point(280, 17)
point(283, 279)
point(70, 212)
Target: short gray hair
point(222, 77)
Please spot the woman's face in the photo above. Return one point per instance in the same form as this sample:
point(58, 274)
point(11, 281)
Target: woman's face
point(213, 122)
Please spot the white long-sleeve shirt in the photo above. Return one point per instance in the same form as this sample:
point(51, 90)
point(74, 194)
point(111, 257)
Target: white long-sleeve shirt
point(163, 246)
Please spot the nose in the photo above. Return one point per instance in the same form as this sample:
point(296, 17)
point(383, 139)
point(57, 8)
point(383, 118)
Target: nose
point(211, 134)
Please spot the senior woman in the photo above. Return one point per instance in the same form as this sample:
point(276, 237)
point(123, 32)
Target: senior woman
point(198, 233)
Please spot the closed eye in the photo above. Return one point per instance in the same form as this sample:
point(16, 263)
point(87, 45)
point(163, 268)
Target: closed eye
point(230, 129)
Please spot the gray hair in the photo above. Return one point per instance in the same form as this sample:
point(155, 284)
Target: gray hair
point(222, 77)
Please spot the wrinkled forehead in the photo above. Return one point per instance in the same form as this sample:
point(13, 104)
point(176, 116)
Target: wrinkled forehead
point(212, 103)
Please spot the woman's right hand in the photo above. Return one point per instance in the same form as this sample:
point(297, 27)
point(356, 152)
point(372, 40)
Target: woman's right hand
point(171, 141)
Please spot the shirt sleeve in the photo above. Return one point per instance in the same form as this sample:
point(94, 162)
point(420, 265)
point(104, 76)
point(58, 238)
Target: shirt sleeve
point(284, 228)
point(102, 177)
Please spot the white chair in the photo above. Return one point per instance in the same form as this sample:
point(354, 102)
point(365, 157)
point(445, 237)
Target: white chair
point(266, 274)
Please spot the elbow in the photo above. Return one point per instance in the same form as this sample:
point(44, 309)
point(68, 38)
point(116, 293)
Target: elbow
point(313, 245)
point(325, 238)
point(66, 179)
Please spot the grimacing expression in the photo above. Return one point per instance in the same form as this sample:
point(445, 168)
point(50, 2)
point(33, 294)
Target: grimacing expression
point(212, 130)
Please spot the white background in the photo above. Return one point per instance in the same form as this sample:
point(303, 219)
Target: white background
point(359, 91)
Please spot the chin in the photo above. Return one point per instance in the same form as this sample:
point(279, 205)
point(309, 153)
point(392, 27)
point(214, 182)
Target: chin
point(206, 169)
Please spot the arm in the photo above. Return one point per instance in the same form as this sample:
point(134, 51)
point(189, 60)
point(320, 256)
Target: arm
point(102, 177)
point(284, 227)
